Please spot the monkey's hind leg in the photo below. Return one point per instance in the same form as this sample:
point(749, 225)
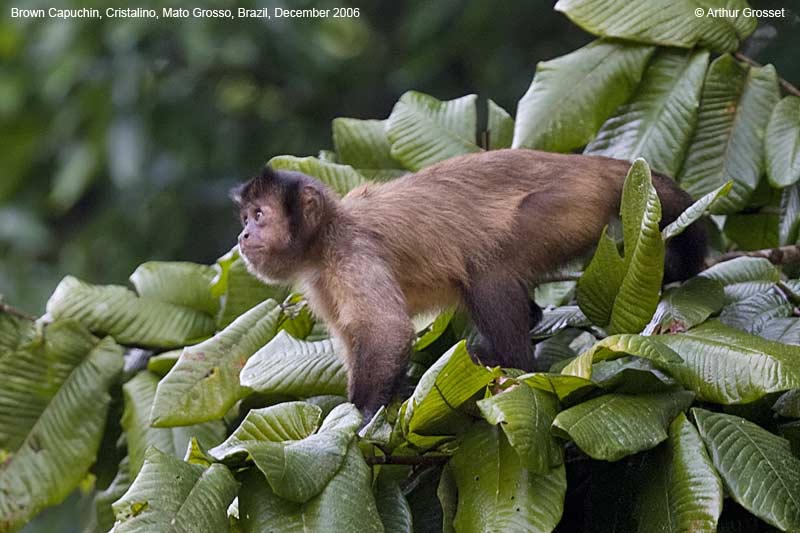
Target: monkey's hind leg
point(502, 313)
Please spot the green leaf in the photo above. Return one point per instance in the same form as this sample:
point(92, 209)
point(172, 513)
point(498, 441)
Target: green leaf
point(564, 386)
point(496, 492)
point(340, 178)
point(138, 394)
point(162, 363)
point(758, 470)
point(297, 462)
point(753, 231)
point(683, 23)
point(788, 404)
point(171, 495)
point(789, 222)
point(104, 514)
point(500, 126)
point(622, 295)
point(695, 211)
point(525, 414)
point(363, 144)
point(756, 312)
point(204, 383)
point(599, 285)
point(613, 426)
point(684, 307)
point(555, 320)
point(240, 290)
point(728, 366)
point(447, 384)
point(658, 120)
point(728, 143)
point(53, 406)
point(345, 504)
point(618, 346)
point(572, 95)
point(783, 330)
point(681, 491)
point(743, 277)
point(296, 368)
point(423, 130)
point(782, 143)
point(184, 284)
point(392, 506)
point(117, 311)
point(433, 330)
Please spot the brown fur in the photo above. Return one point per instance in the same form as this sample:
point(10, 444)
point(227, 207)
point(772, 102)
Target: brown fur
point(476, 229)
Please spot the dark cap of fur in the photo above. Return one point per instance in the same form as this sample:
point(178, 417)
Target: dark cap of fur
point(256, 187)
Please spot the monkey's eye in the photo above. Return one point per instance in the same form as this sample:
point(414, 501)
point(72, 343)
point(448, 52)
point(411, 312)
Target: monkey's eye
point(257, 215)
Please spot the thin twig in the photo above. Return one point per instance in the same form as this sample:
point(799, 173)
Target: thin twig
point(784, 255)
point(413, 460)
point(16, 312)
point(788, 87)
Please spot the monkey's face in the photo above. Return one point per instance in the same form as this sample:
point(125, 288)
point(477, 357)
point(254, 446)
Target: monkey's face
point(266, 242)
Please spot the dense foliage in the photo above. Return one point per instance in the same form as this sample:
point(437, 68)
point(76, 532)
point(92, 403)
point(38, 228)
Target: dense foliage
point(203, 400)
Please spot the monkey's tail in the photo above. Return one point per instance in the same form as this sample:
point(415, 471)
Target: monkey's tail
point(686, 253)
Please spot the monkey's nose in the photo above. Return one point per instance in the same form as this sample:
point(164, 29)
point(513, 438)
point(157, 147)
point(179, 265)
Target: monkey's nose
point(243, 236)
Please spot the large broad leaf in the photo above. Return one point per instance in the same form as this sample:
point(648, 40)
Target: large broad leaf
point(564, 386)
point(204, 383)
point(294, 367)
point(363, 144)
point(695, 211)
point(184, 284)
point(554, 320)
point(684, 23)
point(613, 426)
point(393, 506)
point(757, 467)
point(496, 492)
point(788, 404)
point(755, 313)
point(728, 144)
point(138, 394)
point(500, 126)
point(618, 346)
point(743, 277)
point(450, 382)
point(14, 331)
point(103, 512)
point(346, 503)
point(783, 330)
point(682, 491)
point(658, 120)
point(171, 495)
point(783, 143)
point(684, 307)
point(117, 311)
point(526, 414)
point(53, 406)
point(789, 221)
point(623, 295)
point(340, 178)
point(571, 96)
point(423, 130)
point(728, 366)
point(240, 290)
point(297, 462)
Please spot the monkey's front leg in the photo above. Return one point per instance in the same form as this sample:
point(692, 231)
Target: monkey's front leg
point(377, 357)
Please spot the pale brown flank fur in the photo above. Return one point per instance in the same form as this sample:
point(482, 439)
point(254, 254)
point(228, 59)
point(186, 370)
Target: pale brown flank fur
point(475, 230)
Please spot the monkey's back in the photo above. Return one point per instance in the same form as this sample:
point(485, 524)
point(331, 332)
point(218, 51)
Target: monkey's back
point(521, 210)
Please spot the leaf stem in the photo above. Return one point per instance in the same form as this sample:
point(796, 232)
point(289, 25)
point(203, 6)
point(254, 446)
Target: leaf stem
point(783, 255)
point(413, 460)
point(788, 87)
point(16, 312)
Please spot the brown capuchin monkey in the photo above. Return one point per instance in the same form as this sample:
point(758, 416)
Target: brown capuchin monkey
point(476, 231)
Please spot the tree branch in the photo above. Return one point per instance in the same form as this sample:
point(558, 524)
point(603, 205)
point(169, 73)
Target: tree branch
point(412, 460)
point(16, 312)
point(784, 255)
point(788, 87)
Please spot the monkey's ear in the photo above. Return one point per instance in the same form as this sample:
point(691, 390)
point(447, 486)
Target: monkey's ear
point(235, 194)
point(313, 205)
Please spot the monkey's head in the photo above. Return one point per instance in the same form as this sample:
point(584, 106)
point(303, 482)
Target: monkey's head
point(282, 213)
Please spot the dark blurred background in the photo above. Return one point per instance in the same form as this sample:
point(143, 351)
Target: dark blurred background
point(120, 137)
